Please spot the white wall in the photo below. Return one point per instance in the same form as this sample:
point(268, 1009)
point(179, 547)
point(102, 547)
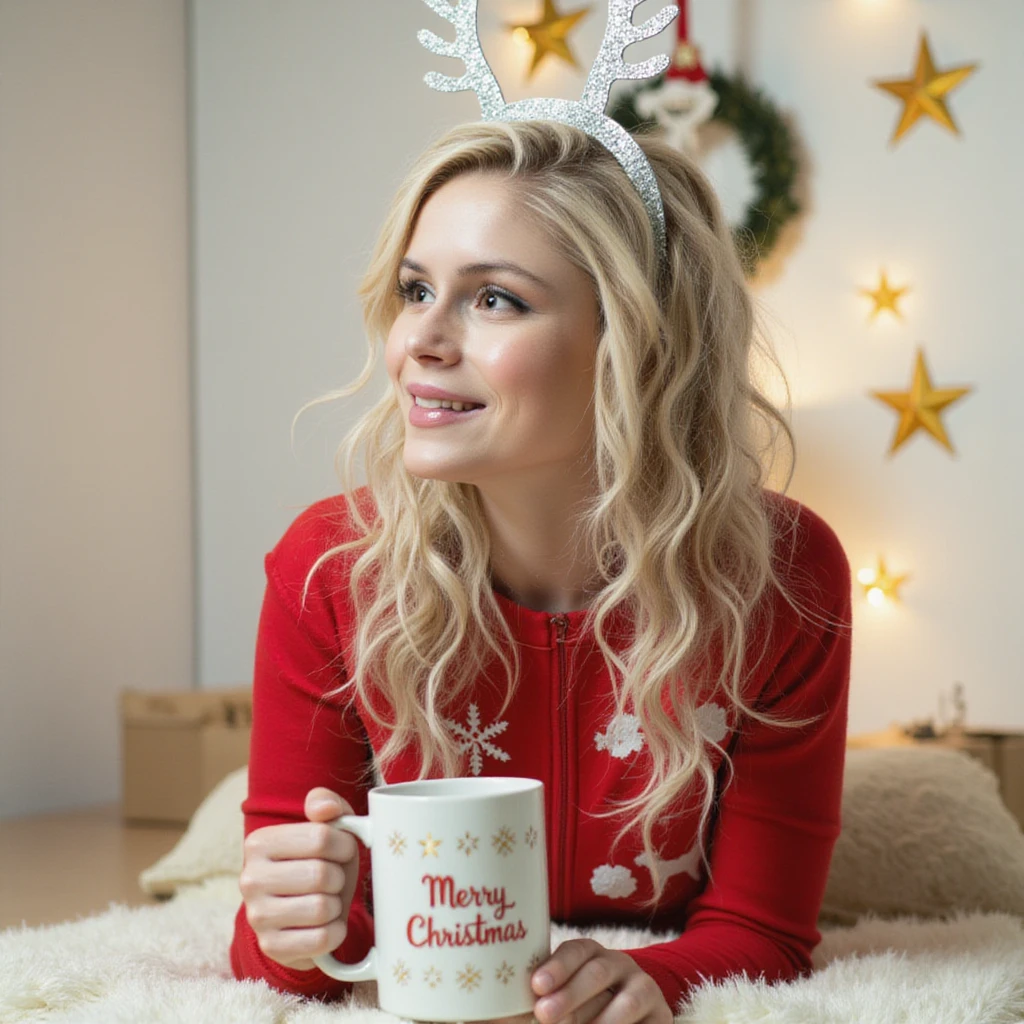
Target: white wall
point(303, 118)
point(95, 491)
point(944, 214)
point(307, 115)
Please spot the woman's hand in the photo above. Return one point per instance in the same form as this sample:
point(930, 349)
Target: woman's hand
point(297, 883)
point(583, 982)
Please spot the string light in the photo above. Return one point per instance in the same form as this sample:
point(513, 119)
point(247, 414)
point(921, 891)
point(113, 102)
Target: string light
point(879, 584)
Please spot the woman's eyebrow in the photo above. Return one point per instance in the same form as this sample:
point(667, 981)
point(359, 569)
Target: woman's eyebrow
point(484, 268)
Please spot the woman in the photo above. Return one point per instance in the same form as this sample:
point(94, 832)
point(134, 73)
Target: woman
point(564, 565)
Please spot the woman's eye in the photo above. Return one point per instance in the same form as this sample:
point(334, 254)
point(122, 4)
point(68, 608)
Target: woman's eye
point(412, 291)
point(492, 298)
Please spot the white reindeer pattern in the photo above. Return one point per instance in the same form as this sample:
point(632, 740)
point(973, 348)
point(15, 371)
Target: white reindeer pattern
point(669, 868)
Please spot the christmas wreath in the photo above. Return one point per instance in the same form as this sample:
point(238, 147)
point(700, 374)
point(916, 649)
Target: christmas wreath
point(769, 148)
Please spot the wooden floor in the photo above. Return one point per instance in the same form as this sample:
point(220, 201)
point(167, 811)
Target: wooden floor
point(56, 867)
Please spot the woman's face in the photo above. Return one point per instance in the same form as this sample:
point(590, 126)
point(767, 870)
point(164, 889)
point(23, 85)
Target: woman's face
point(494, 316)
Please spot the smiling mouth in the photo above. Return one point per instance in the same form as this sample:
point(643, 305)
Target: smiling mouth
point(434, 403)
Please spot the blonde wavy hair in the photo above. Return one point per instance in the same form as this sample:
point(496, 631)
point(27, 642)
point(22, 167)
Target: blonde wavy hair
point(680, 529)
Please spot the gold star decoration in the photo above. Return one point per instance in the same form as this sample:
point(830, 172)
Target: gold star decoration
point(879, 584)
point(430, 845)
point(919, 408)
point(548, 35)
point(923, 94)
point(885, 297)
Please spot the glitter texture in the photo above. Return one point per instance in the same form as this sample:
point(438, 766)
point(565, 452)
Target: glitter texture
point(587, 114)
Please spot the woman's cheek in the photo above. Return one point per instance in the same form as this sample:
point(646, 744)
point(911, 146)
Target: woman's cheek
point(528, 367)
point(393, 357)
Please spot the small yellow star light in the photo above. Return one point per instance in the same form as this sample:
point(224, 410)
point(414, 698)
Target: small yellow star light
point(919, 408)
point(879, 586)
point(923, 94)
point(548, 35)
point(885, 297)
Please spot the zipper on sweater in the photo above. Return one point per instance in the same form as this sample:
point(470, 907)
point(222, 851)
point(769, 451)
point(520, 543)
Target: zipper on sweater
point(560, 808)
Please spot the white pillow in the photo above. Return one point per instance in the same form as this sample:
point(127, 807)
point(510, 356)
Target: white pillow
point(925, 832)
point(212, 843)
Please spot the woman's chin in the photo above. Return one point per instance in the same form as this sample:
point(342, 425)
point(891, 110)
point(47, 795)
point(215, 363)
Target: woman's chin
point(437, 471)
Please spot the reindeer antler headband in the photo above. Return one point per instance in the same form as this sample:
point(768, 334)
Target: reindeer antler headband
point(587, 113)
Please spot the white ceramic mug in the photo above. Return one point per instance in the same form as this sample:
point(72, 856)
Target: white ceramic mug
point(460, 897)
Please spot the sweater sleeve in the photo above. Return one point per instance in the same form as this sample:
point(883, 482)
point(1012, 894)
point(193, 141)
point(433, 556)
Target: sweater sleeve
point(779, 818)
point(300, 741)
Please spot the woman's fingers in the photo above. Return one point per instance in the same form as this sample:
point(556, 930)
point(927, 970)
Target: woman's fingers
point(563, 964)
point(292, 947)
point(303, 877)
point(639, 999)
point(591, 1008)
point(311, 911)
point(302, 841)
point(580, 972)
point(298, 880)
point(323, 804)
point(585, 982)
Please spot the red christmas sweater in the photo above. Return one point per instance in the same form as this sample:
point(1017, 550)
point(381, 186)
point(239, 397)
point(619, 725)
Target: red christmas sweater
point(774, 825)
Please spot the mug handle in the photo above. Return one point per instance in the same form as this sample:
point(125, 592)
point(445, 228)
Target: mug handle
point(366, 969)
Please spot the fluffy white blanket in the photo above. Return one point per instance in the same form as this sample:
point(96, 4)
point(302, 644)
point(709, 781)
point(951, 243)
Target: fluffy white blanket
point(168, 964)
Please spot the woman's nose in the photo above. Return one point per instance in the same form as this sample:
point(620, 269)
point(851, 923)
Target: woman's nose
point(433, 337)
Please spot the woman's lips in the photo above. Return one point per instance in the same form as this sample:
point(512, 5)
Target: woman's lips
point(421, 417)
point(434, 394)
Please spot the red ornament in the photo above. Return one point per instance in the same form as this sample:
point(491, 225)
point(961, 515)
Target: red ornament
point(686, 61)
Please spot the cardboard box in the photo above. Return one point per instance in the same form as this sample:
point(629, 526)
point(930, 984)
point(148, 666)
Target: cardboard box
point(1011, 773)
point(177, 746)
point(1001, 751)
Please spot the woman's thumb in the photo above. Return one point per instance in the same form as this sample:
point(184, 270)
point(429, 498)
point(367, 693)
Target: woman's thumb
point(324, 805)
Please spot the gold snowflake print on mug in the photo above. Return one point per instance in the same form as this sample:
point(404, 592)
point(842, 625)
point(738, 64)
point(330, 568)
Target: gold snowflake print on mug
point(433, 977)
point(504, 841)
point(468, 844)
point(505, 973)
point(396, 843)
point(469, 979)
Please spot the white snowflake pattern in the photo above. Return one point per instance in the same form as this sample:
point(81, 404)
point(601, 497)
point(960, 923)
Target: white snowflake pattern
point(712, 722)
point(667, 868)
point(622, 737)
point(476, 740)
point(615, 882)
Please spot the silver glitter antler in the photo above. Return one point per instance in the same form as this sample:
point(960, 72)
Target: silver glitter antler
point(478, 75)
point(586, 114)
point(620, 32)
